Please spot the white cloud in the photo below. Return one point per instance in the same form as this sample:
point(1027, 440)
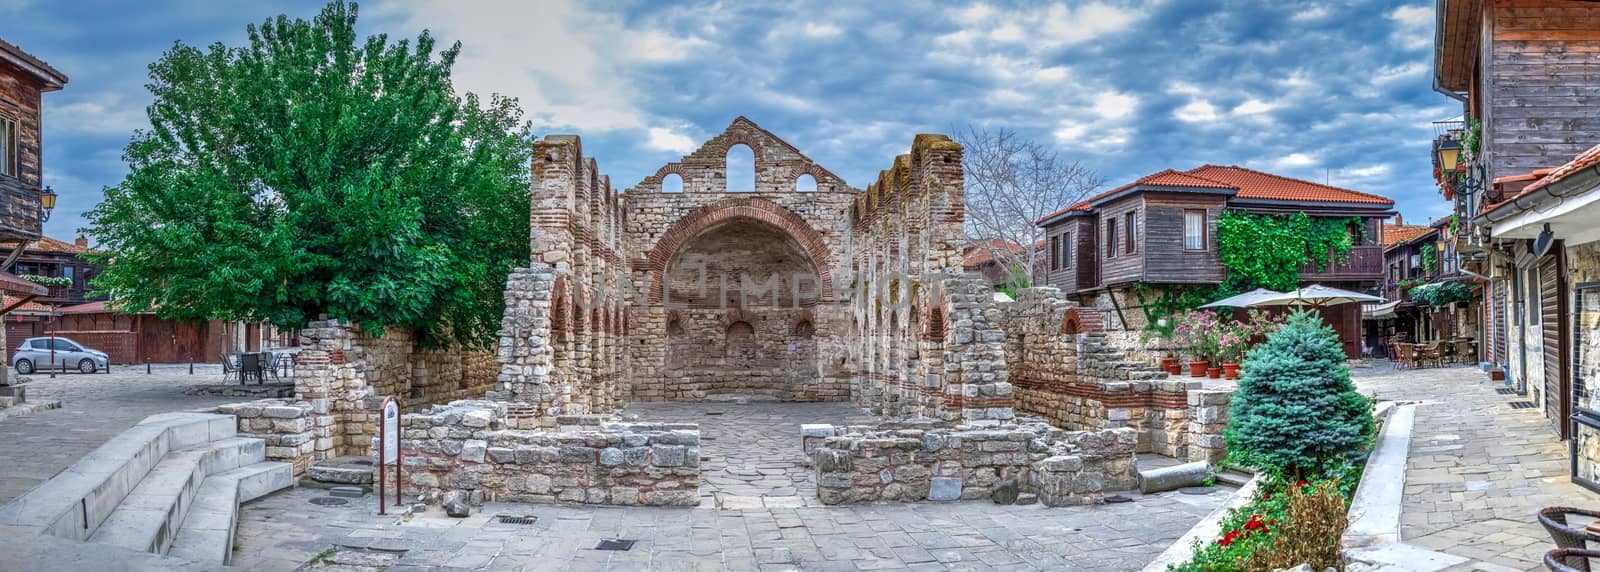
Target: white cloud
point(1294, 161)
point(1113, 105)
point(1413, 26)
point(1197, 111)
point(564, 62)
point(1389, 74)
point(1039, 28)
point(1009, 97)
point(822, 31)
point(665, 139)
point(106, 113)
point(1314, 13)
point(1255, 106)
point(1064, 25)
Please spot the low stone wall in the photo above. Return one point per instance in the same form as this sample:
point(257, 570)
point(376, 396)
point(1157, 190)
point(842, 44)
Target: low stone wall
point(465, 448)
point(915, 461)
point(287, 426)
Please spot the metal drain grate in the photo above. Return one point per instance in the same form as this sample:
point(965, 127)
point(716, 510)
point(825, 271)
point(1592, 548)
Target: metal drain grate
point(328, 501)
point(615, 544)
point(1521, 405)
point(713, 413)
point(518, 519)
point(1506, 391)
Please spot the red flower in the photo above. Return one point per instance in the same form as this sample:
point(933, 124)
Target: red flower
point(1255, 523)
point(1228, 538)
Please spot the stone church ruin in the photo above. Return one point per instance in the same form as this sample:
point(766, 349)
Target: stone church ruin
point(792, 287)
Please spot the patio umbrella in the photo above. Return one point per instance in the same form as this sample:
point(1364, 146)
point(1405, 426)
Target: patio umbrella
point(1317, 296)
point(1246, 299)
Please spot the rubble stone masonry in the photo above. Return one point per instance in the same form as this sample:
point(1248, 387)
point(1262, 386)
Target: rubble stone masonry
point(930, 461)
point(464, 448)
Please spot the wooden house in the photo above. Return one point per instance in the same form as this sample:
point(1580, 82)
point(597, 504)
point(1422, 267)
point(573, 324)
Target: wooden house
point(1161, 230)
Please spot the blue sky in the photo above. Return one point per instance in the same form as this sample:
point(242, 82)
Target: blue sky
point(1316, 90)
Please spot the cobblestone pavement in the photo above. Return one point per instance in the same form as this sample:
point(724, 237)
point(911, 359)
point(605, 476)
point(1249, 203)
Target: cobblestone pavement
point(771, 523)
point(1478, 471)
point(753, 450)
point(94, 407)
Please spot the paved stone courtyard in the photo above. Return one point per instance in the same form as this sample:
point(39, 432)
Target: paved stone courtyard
point(752, 450)
point(1478, 470)
point(758, 512)
point(94, 407)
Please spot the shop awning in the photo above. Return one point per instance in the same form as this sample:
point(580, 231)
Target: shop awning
point(1382, 311)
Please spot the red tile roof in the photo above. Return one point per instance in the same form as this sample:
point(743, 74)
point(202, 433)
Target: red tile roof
point(27, 308)
point(1253, 184)
point(1398, 233)
point(980, 252)
point(1249, 183)
point(1547, 176)
point(1583, 161)
point(1167, 178)
point(47, 244)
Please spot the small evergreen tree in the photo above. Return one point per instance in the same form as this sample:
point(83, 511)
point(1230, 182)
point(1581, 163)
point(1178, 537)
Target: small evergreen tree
point(1296, 410)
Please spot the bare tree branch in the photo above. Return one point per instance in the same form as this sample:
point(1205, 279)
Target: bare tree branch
point(1011, 182)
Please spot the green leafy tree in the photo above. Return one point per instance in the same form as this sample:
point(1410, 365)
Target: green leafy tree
point(1296, 410)
point(311, 172)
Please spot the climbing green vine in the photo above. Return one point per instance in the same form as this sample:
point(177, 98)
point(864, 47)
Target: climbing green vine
point(1168, 302)
point(1429, 258)
point(1266, 251)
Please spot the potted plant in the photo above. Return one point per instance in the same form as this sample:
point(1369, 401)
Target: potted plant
point(1234, 340)
point(1197, 329)
point(1163, 333)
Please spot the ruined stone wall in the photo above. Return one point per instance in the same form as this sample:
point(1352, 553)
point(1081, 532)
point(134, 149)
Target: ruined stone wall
point(906, 462)
point(562, 346)
point(464, 448)
point(345, 373)
point(1066, 370)
point(924, 340)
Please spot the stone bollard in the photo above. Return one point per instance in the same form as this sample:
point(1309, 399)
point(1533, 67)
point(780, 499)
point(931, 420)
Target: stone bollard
point(1174, 477)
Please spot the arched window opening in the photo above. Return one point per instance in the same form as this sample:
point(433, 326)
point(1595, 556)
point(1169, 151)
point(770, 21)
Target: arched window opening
point(741, 170)
point(674, 328)
point(672, 183)
point(806, 183)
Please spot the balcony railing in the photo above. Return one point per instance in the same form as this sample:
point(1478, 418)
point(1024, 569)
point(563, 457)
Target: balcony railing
point(1361, 263)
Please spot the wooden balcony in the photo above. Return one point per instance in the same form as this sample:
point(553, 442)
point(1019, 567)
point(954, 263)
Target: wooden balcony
point(1361, 264)
point(19, 210)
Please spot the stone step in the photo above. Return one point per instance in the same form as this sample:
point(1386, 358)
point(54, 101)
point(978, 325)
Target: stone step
point(1232, 478)
point(148, 518)
point(341, 474)
point(207, 532)
point(74, 503)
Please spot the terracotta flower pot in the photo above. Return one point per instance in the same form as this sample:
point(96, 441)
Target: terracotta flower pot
point(1171, 365)
point(1214, 373)
point(1197, 368)
point(1230, 370)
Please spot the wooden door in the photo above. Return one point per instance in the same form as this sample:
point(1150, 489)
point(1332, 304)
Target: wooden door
point(1553, 327)
point(157, 339)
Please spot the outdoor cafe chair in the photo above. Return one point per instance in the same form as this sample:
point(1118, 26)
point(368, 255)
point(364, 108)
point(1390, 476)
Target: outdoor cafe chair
point(1554, 520)
point(1570, 559)
point(250, 366)
point(1405, 355)
point(230, 367)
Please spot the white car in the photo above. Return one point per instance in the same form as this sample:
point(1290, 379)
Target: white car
point(35, 355)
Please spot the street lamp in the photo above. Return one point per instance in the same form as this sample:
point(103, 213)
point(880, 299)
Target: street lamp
point(1448, 152)
point(47, 203)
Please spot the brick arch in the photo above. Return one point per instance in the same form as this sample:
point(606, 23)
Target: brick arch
point(761, 210)
point(673, 168)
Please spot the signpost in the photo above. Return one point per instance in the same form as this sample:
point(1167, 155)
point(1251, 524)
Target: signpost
point(389, 449)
